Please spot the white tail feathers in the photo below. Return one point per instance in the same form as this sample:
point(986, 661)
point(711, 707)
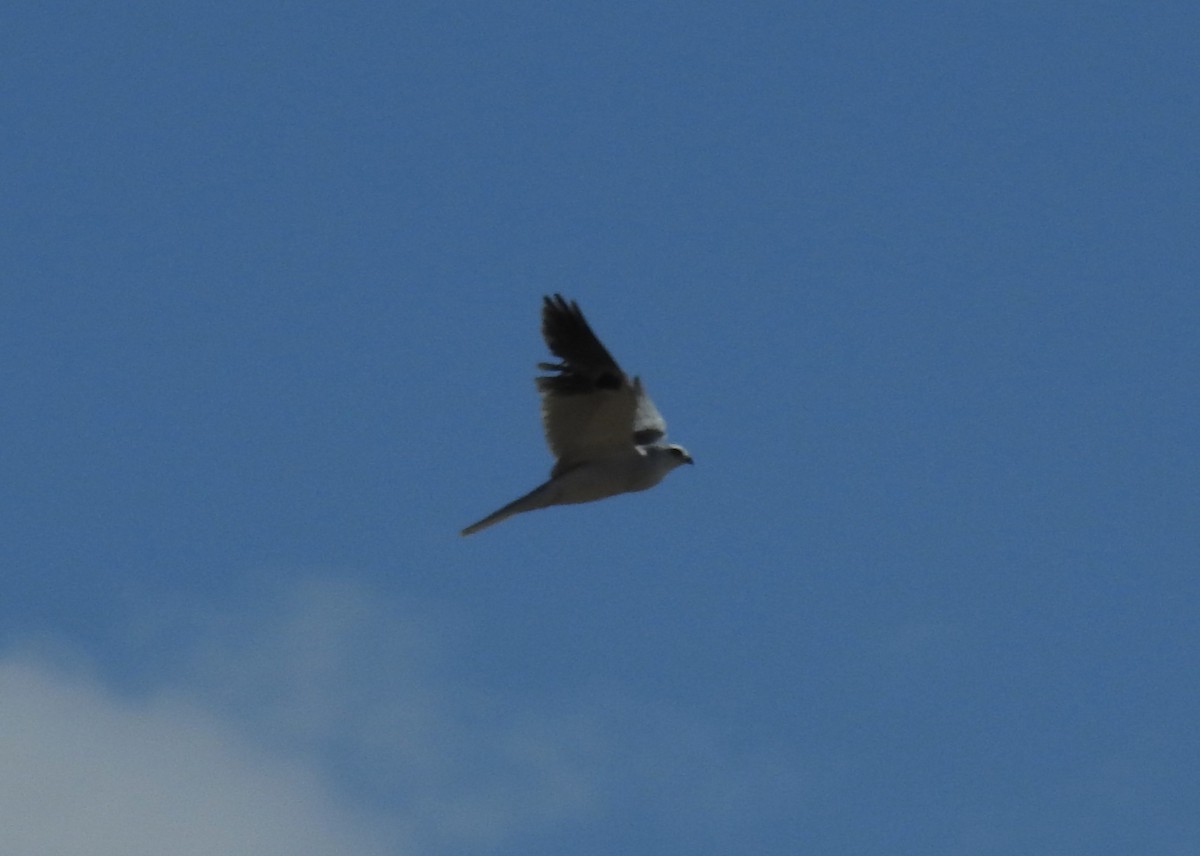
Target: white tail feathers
point(539, 497)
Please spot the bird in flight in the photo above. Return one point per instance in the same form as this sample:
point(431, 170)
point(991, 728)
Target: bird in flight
point(603, 430)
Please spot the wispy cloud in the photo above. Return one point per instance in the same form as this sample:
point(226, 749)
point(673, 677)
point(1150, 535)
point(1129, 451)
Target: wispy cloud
point(85, 771)
point(330, 720)
point(365, 686)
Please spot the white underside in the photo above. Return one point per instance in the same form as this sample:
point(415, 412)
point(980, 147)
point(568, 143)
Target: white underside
point(637, 468)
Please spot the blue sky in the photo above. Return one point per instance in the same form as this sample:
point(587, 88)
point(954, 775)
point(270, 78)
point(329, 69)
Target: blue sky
point(916, 284)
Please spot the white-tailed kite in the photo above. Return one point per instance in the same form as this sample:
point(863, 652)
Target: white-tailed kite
point(602, 428)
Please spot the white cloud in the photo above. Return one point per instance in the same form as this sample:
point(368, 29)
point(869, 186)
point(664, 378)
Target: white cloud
point(330, 720)
point(85, 771)
point(336, 672)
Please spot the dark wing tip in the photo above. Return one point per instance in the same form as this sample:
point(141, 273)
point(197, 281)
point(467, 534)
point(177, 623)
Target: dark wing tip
point(557, 303)
point(570, 338)
point(560, 318)
point(557, 309)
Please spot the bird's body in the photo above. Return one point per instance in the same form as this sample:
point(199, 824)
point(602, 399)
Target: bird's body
point(602, 427)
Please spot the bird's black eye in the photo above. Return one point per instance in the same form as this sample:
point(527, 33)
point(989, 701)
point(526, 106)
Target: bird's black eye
point(677, 453)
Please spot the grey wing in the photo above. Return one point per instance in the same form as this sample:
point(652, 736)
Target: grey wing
point(648, 424)
point(589, 406)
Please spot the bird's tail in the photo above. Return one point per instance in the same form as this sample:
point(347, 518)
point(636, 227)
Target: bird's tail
point(539, 497)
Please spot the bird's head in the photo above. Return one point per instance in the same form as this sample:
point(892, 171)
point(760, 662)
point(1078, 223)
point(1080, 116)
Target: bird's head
point(678, 455)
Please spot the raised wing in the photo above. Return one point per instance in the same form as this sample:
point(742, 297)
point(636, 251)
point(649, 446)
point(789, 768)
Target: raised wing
point(648, 424)
point(589, 406)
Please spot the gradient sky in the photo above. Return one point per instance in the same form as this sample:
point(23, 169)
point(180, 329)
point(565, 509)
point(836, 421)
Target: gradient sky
point(917, 284)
